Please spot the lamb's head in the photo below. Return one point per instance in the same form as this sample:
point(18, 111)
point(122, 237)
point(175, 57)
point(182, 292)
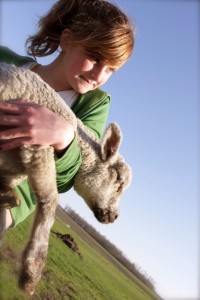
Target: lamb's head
point(102, 185)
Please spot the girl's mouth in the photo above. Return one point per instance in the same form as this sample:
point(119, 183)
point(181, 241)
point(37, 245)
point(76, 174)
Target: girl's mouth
point(88, 82)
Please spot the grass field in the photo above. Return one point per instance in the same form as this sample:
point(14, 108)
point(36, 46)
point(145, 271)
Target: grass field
point(66, 275)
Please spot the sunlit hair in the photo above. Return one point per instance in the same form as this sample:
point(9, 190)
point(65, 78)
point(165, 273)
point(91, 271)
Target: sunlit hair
point(97, 25)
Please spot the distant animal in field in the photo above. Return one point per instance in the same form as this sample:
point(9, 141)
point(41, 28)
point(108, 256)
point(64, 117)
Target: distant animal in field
point(69, 241)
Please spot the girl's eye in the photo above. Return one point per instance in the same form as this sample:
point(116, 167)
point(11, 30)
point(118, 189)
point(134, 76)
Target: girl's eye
point(112, 70)
point(96, 60)
point(93, 58)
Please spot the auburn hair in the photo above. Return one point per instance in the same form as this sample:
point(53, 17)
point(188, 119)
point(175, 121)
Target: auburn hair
point(97, 25)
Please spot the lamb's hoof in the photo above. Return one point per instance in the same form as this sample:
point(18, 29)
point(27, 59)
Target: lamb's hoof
point(9, 201)
point(26, 284)
point(1, 239)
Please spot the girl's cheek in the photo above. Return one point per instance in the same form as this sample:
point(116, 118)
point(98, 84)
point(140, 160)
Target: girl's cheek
point(87, 65)
point(105, 79)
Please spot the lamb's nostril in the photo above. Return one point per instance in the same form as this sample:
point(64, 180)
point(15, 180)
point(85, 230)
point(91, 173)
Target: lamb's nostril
point(116, 216)
point(113, 217)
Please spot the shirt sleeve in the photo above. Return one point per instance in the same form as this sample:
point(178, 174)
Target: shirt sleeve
point(96, 119)
point(10, 57)
point(68, 165)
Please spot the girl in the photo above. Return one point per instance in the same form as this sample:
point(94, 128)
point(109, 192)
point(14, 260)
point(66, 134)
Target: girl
point(94, 38)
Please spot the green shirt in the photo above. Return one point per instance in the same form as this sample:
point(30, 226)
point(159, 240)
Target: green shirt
point(92, 109)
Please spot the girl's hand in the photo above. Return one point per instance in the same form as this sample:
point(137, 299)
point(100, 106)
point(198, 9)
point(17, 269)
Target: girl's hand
point(24, 122)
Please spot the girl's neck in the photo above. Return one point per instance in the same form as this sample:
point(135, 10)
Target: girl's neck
point(52, 74)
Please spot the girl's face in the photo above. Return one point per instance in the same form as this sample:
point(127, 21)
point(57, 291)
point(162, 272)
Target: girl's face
point(81, 71)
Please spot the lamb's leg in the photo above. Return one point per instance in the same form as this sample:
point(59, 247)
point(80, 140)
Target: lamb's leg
point(42, 175)
point(8, 198)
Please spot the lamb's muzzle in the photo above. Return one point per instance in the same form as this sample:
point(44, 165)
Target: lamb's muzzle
point(105, 217)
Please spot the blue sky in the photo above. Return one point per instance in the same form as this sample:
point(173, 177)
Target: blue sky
point(155, 99)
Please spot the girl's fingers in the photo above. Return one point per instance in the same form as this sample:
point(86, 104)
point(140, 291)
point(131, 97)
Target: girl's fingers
point(9, 120)
point(16, 106)
point(15, 133)
point(22, 102)
point(15, 143)
point(7, 107)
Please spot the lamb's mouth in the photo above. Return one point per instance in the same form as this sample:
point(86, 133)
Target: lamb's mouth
point(104, 216)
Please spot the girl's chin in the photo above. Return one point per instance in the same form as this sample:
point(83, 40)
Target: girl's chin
point(82, 85)
point(82, 89)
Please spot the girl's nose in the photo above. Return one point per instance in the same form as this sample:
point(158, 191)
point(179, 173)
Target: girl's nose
point(98, 73)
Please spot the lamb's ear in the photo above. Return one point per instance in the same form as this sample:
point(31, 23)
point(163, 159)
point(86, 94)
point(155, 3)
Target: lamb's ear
point(111, 141)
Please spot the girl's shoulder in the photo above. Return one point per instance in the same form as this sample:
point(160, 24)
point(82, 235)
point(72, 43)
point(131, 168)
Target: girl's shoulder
point(10, 57)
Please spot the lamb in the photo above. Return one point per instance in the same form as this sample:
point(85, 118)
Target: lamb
point(100, 181)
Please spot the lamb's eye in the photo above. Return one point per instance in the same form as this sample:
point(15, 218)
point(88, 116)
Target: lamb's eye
point(118, 177)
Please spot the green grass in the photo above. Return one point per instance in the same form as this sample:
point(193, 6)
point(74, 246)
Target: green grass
point(66, 275)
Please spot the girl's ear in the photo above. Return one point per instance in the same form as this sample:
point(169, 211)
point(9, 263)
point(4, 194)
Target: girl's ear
point(64, 39)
